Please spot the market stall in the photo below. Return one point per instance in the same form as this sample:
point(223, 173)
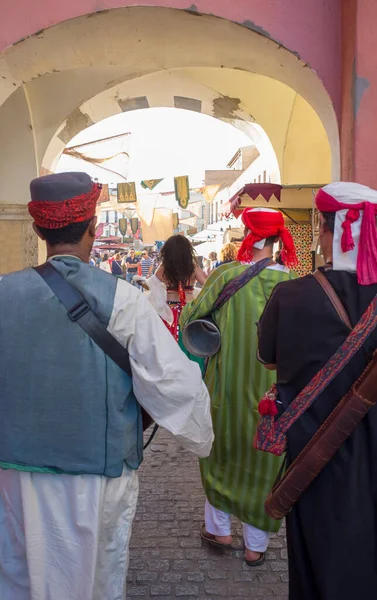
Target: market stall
point(296, 202)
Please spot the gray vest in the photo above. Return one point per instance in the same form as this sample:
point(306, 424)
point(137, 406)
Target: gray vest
point(64, 405)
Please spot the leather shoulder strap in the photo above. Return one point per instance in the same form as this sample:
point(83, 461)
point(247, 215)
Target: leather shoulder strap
point(333, 297)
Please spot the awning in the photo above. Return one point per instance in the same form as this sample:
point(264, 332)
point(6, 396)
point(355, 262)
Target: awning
point(111, 247)
point(299, 197)
point(253, 190)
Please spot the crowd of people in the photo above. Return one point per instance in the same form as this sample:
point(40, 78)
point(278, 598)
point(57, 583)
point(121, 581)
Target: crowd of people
point(71, 435)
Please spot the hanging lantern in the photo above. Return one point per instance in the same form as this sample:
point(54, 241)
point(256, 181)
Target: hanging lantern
point(175, 220)
point(122, 226)
point(134, 224)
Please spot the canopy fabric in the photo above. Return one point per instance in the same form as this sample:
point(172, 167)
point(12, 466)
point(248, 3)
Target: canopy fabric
point(206, 248)
point(253, 190)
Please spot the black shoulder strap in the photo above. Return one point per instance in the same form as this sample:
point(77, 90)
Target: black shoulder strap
point(79, 312)
point(240, 281)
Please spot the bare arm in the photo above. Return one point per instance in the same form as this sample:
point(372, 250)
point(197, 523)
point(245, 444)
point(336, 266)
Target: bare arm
point(200, 276)
point(160, 273)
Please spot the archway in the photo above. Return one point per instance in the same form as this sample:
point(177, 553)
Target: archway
point(71, 75)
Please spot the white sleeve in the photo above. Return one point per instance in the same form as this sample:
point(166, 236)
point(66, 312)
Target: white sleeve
point(157, 297)
point(166, 383)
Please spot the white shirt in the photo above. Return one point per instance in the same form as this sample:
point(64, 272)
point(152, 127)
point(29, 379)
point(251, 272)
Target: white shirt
point(166, 383)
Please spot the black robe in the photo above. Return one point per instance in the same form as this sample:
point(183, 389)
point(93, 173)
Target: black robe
point(332, 530)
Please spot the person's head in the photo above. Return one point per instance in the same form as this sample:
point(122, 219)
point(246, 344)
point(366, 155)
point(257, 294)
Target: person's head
point(263, 228)
point(178, 260)
point(144, 254)
point(212, 256)
point(348, 236)
point(63, 207)
point(117, 256)
point(132, 253)
point(105, 257)
point(228, 252)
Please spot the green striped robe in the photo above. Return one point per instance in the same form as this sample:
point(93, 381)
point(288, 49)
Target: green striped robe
point(237, 478)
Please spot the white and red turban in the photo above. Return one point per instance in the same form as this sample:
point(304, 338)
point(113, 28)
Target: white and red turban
point(355, 232)
point(264, 223)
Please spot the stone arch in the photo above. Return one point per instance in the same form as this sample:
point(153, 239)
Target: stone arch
point(47, 79)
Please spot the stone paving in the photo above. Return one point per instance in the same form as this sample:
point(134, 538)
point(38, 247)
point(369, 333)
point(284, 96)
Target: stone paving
point(168, 559)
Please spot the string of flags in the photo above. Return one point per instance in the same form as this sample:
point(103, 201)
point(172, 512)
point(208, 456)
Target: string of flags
point(126, 192)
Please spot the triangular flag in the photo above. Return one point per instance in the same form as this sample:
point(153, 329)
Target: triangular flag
point(150, 184)
point(191, 221)
point(105, 195)
point(196, 208)
point(209, 191)
point(182, 190)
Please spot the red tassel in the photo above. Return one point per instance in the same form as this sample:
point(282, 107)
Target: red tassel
point(347, 238)
point(267, 407)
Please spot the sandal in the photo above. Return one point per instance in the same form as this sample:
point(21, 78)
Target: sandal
point(258, 562)
point(211, 539)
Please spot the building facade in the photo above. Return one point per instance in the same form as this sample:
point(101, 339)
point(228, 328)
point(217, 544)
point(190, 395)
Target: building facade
point(304, 71)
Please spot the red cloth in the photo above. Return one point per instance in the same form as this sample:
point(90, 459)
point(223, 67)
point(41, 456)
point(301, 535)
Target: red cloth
point(367, 253)
point(55, 215)
point(176, 308)
point(264, 224)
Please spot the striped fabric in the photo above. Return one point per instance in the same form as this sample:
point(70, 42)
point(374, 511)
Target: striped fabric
point(237, 478)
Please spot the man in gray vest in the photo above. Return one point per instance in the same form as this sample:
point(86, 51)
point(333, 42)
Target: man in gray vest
point(70, 419)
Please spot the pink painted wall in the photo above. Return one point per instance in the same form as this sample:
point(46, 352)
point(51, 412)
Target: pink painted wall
point(311, 28)
point(365, 93)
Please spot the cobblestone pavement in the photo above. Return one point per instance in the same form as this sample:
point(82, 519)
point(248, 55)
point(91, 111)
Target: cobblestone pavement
point(168, 559)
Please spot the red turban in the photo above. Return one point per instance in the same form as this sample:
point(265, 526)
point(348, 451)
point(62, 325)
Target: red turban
point(263, 224)
point(61, 199)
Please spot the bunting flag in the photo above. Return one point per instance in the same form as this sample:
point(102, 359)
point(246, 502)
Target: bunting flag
point(209, 191)
point(145, 207)
point(190, 221)
point(150, 184)
point(99, 230)
point(161, 227)
point(127, 192)
point(182, 190)
point(105, 194)
point(175, 220)
point(122, 224)
point(195, 208)
point(134, 224)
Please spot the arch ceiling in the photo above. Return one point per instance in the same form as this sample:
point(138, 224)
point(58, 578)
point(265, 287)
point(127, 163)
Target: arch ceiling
point(58, 82)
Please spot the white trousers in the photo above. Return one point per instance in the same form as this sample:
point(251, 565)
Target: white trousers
point(218, 522)
point(65, 537)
